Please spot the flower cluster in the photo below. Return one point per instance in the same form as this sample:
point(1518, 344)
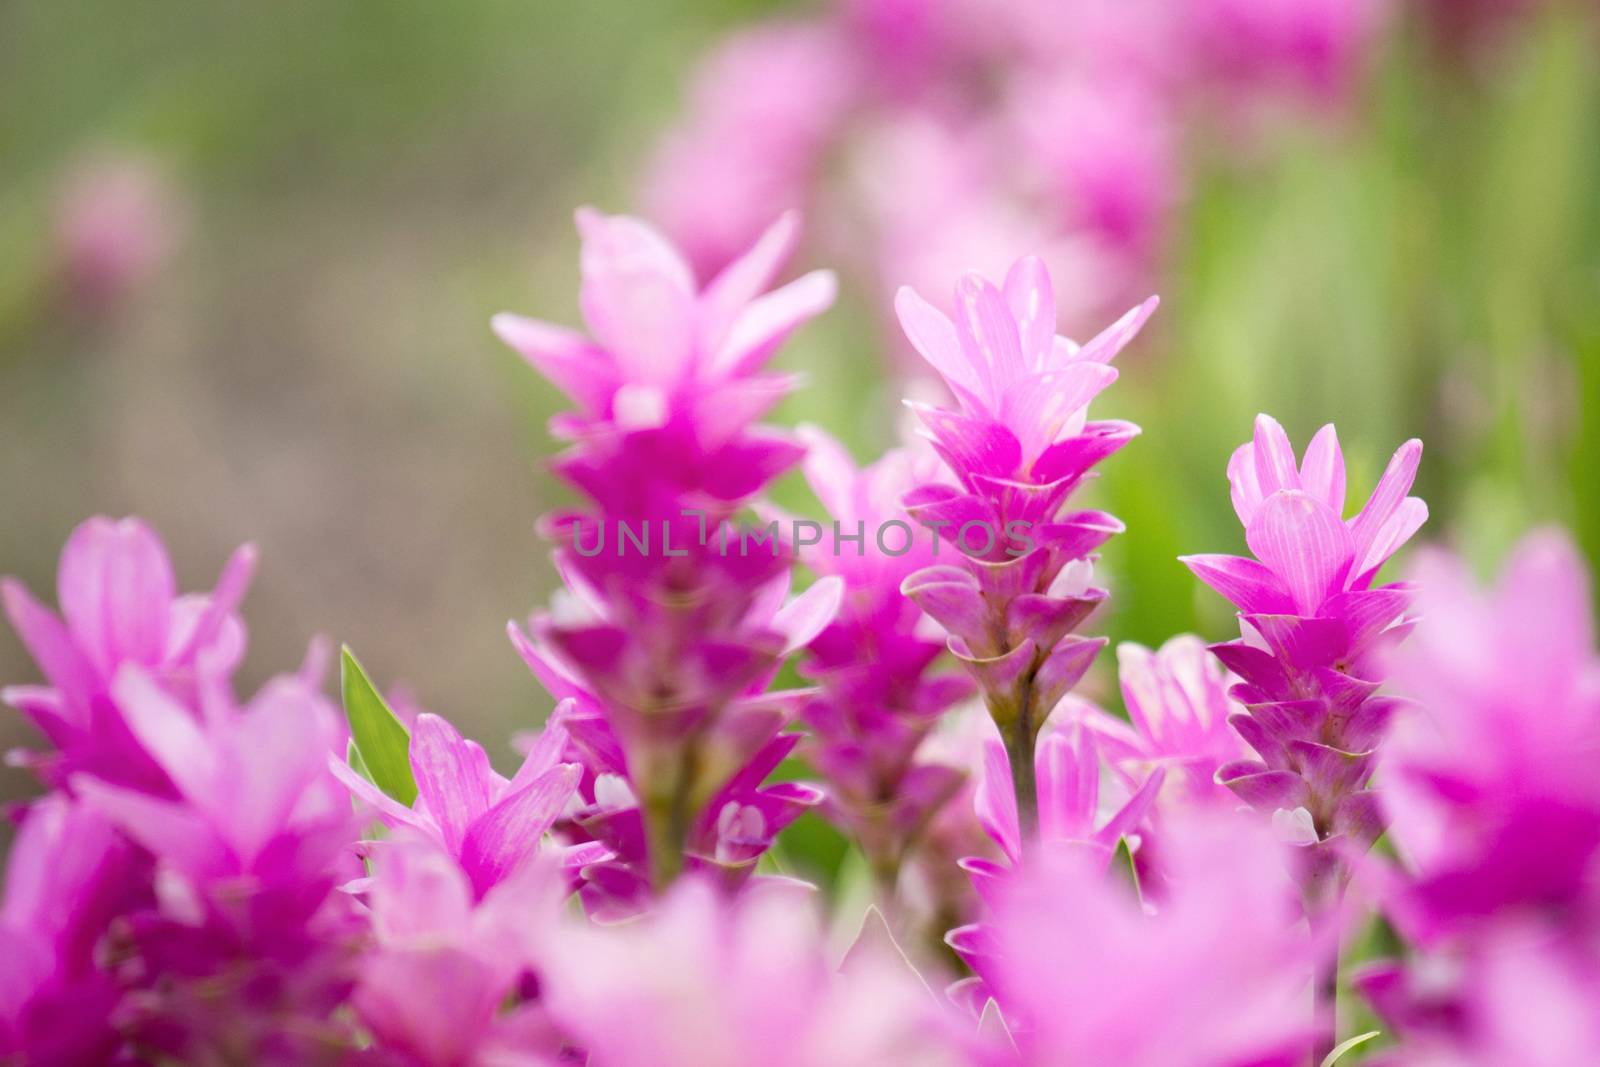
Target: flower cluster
point(209, 879)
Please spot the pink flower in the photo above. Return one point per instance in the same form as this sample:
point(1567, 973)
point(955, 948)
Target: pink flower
point(1315, 627)
point(874, 662)
point(1489, 781)
point(1077, 965)
point(490, 825)
point(67, 876)
point(1178, 704)
point(119, 606)
point(116, 225)
point(1019, 446)
point(714, 983)
point(1315, 48)
point(762, 109)
point(447, 960)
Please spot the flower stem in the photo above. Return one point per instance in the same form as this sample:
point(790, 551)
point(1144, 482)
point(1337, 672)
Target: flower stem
point(1019, 740)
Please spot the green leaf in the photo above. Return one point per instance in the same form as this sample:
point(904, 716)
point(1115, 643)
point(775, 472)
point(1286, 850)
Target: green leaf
point(352, 756)
point(1345, 1046)
point(379, 738)
point(1122, 861)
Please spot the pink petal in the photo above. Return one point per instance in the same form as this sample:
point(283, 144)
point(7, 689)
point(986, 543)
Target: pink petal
point(985, 326)
point(507, 834)
point(51, 645)
point(1244, 486)
point(1248, 585)
point(935, 338)
point(1274, 456)
point(569, 360)
point(169, 732)
point(746, 278)
point(389, 809)
point(1322, 469)
point(1032, 300)
point(1105, 346)
point(116, 592)
point(453, 777)
point(1068, 774)
point(1406, 521)
point(1386, 497)
point(1304, 543)
point(804, 617)
point(768, 321)
point(996, 800)
point(638, 296)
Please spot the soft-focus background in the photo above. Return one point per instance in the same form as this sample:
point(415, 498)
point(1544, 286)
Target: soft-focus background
point(248, 254)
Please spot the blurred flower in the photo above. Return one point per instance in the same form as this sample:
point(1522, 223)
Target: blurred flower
point(724, 983)
point(1221, 956)
point(116, 225)
point(1495, 810)
point(447, 960)
point(66, 876)
point(490, 825)
point(762, 110)
point(1178, 704)
point(1489, 782)
point(119, 606)
point(879, 697)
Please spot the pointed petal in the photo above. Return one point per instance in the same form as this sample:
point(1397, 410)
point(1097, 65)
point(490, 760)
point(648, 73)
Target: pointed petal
point(1245, 583)
point(453, 777)
point(985, 326)
point(116, 592)
point(501, 839)
point(637, 296)
point(935, 339)
point(1274, 456)
point(1032, 300)
point(1305, 544)
point(1386, 497)
point(1322, 469)
point(1110, 341)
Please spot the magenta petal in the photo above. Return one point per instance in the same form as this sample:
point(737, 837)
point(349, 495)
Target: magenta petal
point(746, 278)
point(971, 446)
point(507, 834)
point(996, 674)
point(1305, 544)
point(935, 339)
point(169, 830)
point(1047, 619)
point(1264, 790)
point(1301, 643)
point(50, 644)
point(454, 781)
point(1406, 521)
point(769, 320)
point(1248, 585)
point(1367, 613)
point(569, 360)
point(1068, 774)
point(958, 606)
point(1103, 348)
point(1065, 667)
point(116, 589)
point(1274, 458)
point(996, 800)
point(637, 296)
point(1031, 297)
point(1386, 497)
point(1072, 456)
point(1328, 771)
point(985, 326)
point(1322, 469)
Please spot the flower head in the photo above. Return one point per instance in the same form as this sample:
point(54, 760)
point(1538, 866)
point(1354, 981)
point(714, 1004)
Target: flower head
point(119, 607)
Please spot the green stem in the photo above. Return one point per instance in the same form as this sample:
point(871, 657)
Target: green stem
point(1019, 741)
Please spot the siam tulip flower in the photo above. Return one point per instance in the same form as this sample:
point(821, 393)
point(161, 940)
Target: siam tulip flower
point(672, 646)
point(247, 947)
point(1178, 707)
point(1493, 807)
point(1106, 151)
point(490, 825)
point(1314, 632)
point(447, 961)
point(1074, 819)
point(119, 606)
point(1019, 445)
point(879, 697)
point(762, 110)
point(67, 876)
point(116, 225)
point(1311, 48)
point(714, 983)
point(725, 833)
point(1489, 781)
point(1212, 977)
